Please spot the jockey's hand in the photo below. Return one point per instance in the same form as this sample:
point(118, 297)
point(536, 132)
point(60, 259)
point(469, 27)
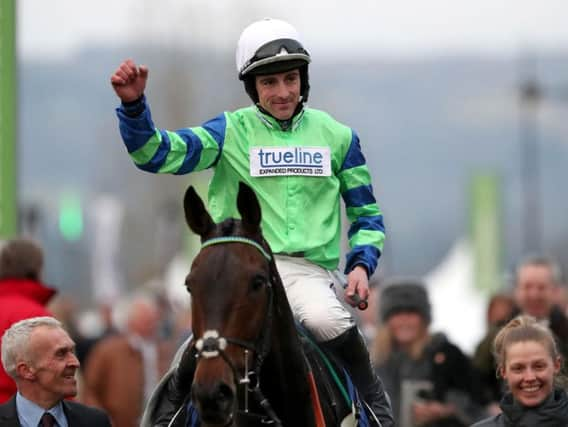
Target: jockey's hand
point(129, 80)
point(357, 283)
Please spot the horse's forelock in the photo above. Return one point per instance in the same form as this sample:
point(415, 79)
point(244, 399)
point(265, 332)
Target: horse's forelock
point(234, 227)
point(228, 227)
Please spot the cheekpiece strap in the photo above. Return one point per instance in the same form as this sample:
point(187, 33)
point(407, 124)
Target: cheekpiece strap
point(236, 239)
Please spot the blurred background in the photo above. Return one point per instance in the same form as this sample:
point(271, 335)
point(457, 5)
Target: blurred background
point(460, 106)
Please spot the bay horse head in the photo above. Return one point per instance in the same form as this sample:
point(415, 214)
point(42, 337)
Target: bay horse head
point(231, 286)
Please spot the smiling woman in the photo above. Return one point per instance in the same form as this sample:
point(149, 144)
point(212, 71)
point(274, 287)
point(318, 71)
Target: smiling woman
point(529, 361)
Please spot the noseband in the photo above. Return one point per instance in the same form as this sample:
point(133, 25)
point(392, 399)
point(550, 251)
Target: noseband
point(212, 345)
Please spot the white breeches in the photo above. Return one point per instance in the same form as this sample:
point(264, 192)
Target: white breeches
point(311, 292)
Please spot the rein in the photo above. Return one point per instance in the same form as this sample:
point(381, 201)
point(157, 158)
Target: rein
point(211, 344)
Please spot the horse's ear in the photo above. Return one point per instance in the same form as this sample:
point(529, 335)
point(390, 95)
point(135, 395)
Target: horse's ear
point(249, 208)
point(196, 216)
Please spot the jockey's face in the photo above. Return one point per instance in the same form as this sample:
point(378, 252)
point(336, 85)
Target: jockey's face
point(279, 94)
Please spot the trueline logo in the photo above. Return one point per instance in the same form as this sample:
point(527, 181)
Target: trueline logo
point(306, 161)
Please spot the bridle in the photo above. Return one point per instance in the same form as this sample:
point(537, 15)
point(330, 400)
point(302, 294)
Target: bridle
point(211, 344)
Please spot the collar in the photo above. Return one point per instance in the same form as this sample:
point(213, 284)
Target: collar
point(544, 322)
point(30, 413)
point(28, 288)
point(553, 411)
point(272, 122)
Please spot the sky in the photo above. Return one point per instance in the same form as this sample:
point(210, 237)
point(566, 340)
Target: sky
point(404, 28)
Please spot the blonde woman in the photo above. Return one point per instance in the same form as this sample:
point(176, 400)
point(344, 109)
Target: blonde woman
point(529, 362)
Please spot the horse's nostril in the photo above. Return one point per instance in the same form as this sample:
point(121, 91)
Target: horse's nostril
point(224, 392)
point(220, 393)
point(214, 402)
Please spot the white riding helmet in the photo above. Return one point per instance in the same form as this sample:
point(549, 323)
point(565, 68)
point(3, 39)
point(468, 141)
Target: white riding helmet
point(269, 45)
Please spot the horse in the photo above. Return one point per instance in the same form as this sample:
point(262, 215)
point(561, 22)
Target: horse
point(251, 367)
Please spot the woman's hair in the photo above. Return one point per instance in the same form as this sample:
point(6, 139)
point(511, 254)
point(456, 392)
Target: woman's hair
point(500, 309)
point(522, 329)
point(21, 258)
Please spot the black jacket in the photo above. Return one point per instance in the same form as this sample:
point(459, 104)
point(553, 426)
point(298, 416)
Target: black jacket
point(450, 373)
point(78, 415)
point(553, 412)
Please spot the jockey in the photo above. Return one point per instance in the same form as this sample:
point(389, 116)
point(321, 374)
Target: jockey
point(300, 162)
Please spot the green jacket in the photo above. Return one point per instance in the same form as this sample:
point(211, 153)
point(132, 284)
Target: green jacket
point(298, 175)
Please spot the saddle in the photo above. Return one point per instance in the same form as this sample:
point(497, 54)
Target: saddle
point(334, 382)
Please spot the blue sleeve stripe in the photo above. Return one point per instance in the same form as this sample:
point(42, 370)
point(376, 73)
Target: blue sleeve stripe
point(159, 157)
point(354, 156)
point(216, 128)
point(359, 196)
point(365, 255)
point(193, 153)
point(135, 131)
point(374, 223)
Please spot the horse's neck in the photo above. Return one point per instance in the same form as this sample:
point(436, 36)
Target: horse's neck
point(287, 385)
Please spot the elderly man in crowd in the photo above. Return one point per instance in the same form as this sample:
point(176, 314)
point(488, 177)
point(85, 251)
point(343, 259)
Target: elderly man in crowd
point(121, 370)
point(40, 356)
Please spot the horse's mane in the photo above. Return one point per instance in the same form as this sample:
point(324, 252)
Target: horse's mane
point(229, 227)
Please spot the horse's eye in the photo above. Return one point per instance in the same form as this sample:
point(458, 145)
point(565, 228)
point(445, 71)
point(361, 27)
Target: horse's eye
point(258, 282)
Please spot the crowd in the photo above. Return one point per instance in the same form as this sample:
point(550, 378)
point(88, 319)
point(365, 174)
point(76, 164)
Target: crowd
point(408, 374)
point(51, 369)
point(515, 375)
point(433, 383)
